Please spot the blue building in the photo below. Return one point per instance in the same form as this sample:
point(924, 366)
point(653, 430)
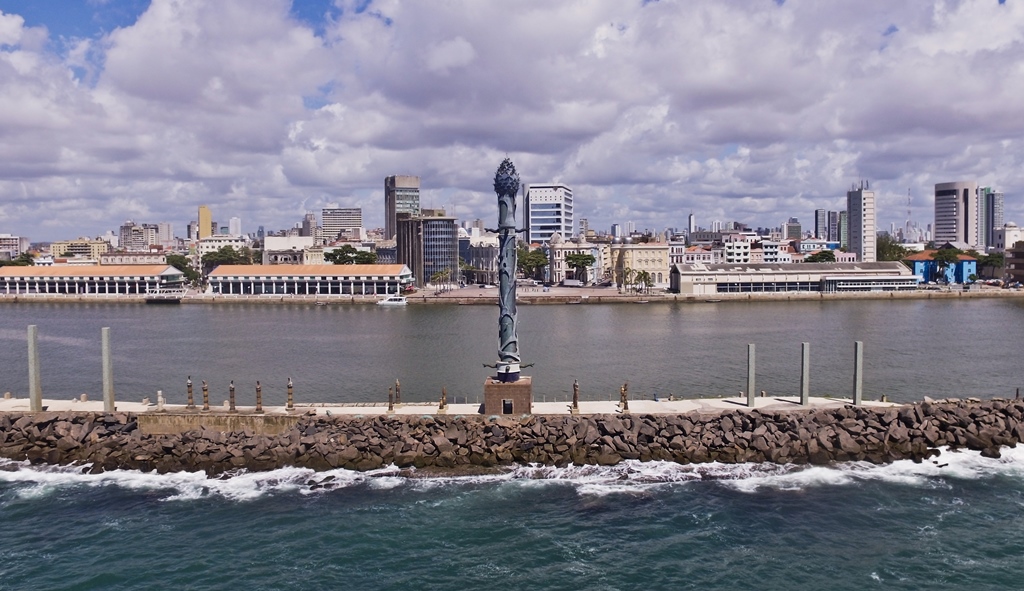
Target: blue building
point(923, 264)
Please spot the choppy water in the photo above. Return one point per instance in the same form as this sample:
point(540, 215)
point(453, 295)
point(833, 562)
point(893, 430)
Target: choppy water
point(953, 524)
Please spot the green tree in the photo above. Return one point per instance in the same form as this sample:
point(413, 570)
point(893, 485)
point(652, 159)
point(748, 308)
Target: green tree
point(944, 259)
point(887, 249)
point(991, 265)
point(22, 260)
point(226, 255)
point(580, 263)
point(531, 262)
point(180, 262)
point(822, 256)
point(349, 255)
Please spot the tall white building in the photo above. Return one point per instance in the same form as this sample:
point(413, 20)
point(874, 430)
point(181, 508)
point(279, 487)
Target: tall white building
point(235, 226)
point(548, 209)
point(341, 219)
point(691, 224)
point(957, 213)
point(860, 210)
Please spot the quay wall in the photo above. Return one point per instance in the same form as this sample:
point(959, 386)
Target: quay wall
point(116, 441)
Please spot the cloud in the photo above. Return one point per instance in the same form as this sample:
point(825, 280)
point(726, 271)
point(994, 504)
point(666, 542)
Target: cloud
point(733, 110)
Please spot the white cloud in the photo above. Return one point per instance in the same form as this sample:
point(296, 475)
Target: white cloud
point(734, 110)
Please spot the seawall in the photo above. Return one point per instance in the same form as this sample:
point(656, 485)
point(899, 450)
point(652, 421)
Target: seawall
point(116, 441)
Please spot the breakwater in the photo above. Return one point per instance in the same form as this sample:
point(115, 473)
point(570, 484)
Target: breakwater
point(108, 441)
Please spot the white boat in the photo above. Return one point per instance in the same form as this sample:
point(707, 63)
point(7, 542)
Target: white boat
point(393, 300)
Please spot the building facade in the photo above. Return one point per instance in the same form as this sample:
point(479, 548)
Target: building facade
point(97, 280)
point(401, 195)
point(13, 245)
point(957, 215)
point(860, 211)
point(991, 207)
point(707, 280)
point(338, 220)
point(82, 247)
point(547, 209)
point(429, 246)
point(204, 226)
point(305, 280)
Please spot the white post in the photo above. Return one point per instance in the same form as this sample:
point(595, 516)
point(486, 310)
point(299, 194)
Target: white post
point(858, 372)
point(750, 375)
point(35, 390)
point(805, 374)
point(108, 372)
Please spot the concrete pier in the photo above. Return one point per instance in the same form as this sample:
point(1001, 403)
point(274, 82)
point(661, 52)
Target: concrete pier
point(35, 389)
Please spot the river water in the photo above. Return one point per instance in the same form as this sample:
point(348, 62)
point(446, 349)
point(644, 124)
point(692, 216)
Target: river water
point(950, 524)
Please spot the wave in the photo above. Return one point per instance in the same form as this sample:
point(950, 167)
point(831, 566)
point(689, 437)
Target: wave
point(26, 481)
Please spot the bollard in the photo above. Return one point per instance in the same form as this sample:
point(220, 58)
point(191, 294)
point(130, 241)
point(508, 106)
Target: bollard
point(624, 397)
point(291, 398)
point(442, 407)
point(398, 393)
point(188, 388)
point(259, 398)
point(231, 396)
point(391, 401)
point(750, 375)
point(206, 397)
point(858, 372)
point(108, 371)
point(805, 374)
point(160, 401)
point(35, 389)
point(575, 408)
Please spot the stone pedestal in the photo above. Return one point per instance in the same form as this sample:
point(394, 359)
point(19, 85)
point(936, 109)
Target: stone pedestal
point(508, 398)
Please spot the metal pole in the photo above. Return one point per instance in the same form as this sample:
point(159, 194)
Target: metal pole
point(35, 389)
point(805, 374)
point(750, 375)
point(108, 371)
point(858, 372)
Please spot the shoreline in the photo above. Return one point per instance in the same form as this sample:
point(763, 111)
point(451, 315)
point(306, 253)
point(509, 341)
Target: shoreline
point(562, 295)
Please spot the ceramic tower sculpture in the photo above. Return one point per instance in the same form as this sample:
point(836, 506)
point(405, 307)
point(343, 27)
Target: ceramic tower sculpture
point(506, 185)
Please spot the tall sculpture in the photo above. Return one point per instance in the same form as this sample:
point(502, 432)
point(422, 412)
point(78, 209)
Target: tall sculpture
point(506, 185)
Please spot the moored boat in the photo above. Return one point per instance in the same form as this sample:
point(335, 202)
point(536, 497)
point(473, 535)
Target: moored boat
point(393, 300)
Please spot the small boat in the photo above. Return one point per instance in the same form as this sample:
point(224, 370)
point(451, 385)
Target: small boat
point(394, 300)
point(321, 303)
point(712, 301)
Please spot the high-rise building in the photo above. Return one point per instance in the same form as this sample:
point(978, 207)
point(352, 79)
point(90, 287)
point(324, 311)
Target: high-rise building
point(134, 236)
point(957, 215)
point(844, 229)
point(165, 233)
point(820, 223)
point(429, 246)
point(616, 230)
point(584, 226)
point(716, 225)
point(206, 223)
point(341, 219)
point(235, 226)
point(860, 211)
point(548, 209)
point(833, 226)
point(691, 224)
point(991, 206)
point(401, 195)
point(791, 230)
point(13, 246)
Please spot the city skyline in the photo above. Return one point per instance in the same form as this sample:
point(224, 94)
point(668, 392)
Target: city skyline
point(267, 109)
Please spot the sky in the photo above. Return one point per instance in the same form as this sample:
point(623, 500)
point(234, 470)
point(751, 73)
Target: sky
point(746, 110)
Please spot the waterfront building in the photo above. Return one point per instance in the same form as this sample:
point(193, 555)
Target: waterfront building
point(708, 280)
point(205, 226)
point(338, 220)
point(548, 209)
point(401, 195)
point(1015, 262)
point(957, 213)
point(319, 280)
point(82, 247)
point(558, 249)
point(479, 250)
point(922, 263)
point(429, 246)
point(13, 245)
point(90, 280)
point(650, 257)
point(1005, 237)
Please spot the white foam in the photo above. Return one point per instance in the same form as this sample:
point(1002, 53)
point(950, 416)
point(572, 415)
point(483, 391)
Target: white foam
point(630, 477)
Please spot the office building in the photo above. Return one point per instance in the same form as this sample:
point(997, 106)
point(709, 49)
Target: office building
point(691, 224)
point(957, 215)
point(844, 230)
point(401, 195)
point(135, 237)
point(235, 226)
point(547, 209)
point(833, 226)
point(860, 211)
point(991, 207)
point(206, 223)
point(791, 230)
point(13, 246)
point(429, 246)
point(821, 224)
point(341, 219)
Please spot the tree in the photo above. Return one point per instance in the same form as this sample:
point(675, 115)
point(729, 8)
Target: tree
point(348, 255)
point(991, 265)
point(887, 249)
point(22, 260)
point(180, 262)
point(530, 262)
point(822, 256)
point(226, 255)
point(944, 259)
point(580, 263)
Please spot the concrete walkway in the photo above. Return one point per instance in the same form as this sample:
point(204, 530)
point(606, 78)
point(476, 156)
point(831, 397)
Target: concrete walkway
point(702, 405)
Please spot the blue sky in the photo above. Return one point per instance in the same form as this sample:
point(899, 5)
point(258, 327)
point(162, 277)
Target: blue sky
point(755, 111)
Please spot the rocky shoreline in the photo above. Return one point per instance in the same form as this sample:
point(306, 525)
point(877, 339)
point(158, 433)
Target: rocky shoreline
point(100, 442)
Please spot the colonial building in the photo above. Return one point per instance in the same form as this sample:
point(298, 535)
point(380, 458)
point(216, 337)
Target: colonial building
point(90, 280)
point(650, 257)
point(320, 280)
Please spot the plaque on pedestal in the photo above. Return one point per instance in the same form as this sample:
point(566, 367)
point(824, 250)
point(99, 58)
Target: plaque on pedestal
point(508, 398)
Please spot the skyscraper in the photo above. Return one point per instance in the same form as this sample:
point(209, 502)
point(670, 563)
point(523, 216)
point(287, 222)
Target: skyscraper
point(235, 226)
point(548, 209)
point(401, 195)
point(957, 213)
point(820, 224)
point(991, 217)
point(833, 226)
point(791, 230)
point(429, 246)
point(691, 224)
point(860, 211)
point(341, 219)
point(205, 227)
